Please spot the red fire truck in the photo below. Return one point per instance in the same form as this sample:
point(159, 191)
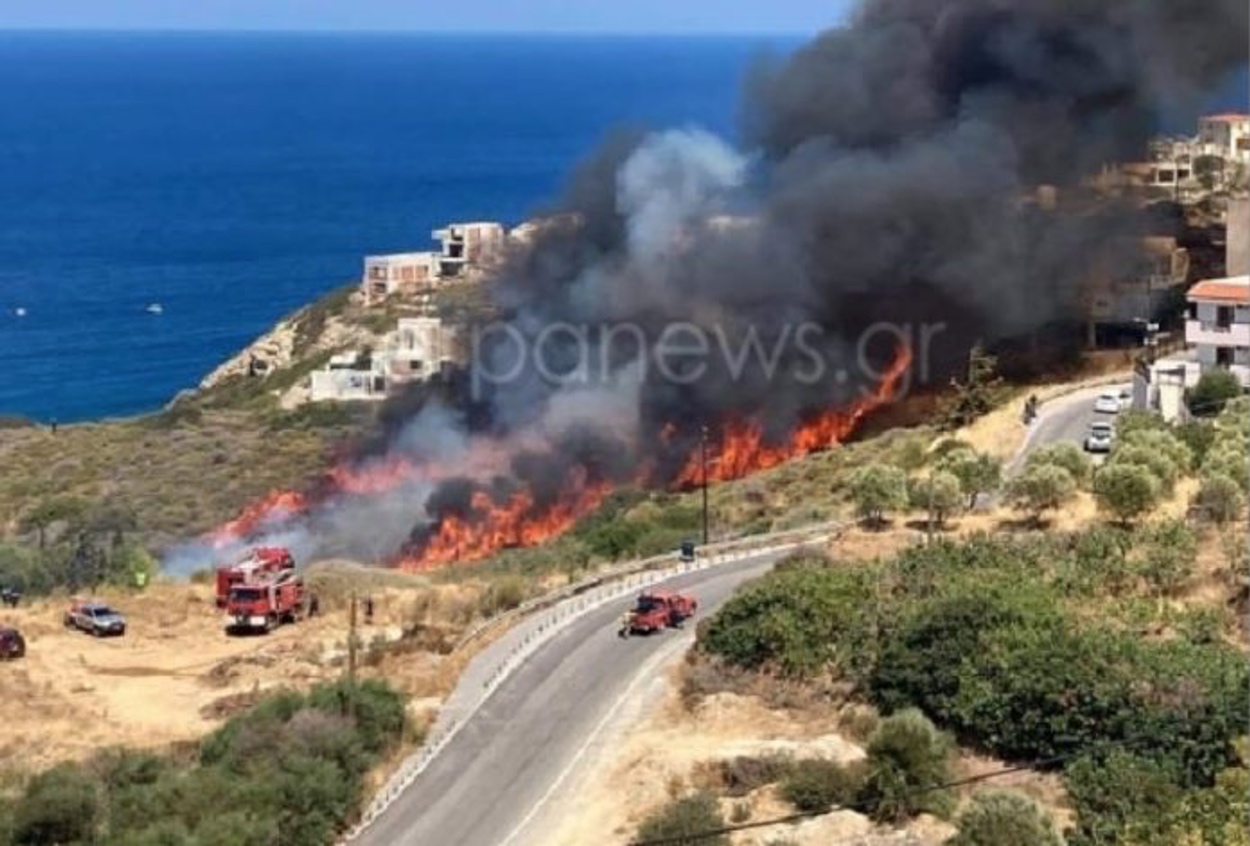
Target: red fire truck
point(656, 610)
point(257, 564)
point(265, 603)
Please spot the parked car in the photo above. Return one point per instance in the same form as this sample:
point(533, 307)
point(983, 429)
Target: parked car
point(1101, 436)
point(687, 551)
point(1108, 403)
point(12, 644)
point(95, 618)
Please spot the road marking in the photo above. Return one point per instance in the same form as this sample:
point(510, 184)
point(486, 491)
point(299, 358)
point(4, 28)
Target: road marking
point(644, 674)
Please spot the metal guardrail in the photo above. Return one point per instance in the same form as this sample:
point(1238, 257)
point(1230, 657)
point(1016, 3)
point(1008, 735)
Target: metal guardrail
point(570, 603)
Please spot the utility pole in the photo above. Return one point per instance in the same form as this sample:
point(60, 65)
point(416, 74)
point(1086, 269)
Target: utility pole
point(351, 643)
point(703, 454)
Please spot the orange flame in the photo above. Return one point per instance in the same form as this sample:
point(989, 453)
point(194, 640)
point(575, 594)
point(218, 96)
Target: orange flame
point(273, 506)
point(515, 522)
point(490, 526)
point(743, 449)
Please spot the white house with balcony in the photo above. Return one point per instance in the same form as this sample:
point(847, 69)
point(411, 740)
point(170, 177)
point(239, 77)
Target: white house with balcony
point(1218, 325)
point(1226, 136)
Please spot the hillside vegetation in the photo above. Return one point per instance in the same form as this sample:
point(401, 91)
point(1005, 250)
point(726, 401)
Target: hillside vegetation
point(288, 772)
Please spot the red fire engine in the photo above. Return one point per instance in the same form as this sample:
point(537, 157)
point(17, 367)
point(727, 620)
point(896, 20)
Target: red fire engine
point(266, 602)
point(257, 564)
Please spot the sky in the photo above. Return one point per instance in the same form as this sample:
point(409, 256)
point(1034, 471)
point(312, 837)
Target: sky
point(613, 16)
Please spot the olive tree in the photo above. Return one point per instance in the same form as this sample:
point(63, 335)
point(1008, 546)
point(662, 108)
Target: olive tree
point(1126, 490)
point(1040, 488)
point(1220, 498)
point(878, 489)
point(977, 472)
point(1066, 455)
point(939, 495)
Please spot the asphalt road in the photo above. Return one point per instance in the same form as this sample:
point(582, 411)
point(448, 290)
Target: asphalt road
point(1064, 419)
point(489, 780)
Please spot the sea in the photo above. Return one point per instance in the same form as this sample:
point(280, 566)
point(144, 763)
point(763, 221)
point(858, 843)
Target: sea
point(228, 179)
point(231, 178)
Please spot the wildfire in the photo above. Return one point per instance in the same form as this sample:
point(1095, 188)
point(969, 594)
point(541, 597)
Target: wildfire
point(274, 506)
point(743, 449)
point(516, 522)
point(488, 526)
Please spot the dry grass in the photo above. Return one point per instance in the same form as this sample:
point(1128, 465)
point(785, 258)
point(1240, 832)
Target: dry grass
point(179, 480)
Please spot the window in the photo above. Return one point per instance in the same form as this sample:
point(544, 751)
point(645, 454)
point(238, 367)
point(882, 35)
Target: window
point(1224, 356)
point(1224, 316)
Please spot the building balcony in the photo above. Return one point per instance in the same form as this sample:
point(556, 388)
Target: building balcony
point(1211, 333)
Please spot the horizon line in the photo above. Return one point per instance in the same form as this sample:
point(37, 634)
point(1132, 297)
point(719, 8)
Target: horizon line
point(328, 30)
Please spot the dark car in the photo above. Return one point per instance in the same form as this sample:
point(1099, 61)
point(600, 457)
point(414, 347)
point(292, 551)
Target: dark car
point(12, 644)
point(95, 618)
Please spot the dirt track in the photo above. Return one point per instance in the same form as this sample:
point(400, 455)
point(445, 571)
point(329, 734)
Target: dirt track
point(174, 676)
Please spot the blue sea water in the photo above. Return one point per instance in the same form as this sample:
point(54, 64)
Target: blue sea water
point(234, 177)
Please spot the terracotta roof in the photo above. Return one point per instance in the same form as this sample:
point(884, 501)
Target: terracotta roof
point(1233, 290)
point(1227, 117)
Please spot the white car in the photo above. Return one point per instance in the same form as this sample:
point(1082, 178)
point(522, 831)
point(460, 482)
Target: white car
point(1101, 435)
point(1107, 404)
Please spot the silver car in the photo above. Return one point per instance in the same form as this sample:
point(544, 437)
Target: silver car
point(1108, 403)
point(1100, 438)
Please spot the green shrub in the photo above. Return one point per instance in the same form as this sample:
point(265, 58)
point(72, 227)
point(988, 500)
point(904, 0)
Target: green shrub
point(999, 818)
point(939, 495)
point(1067, 455)
point(878, 489)
point(1113, 792)
point(1169, 553)
point(1162, 442)
point(1220, 498)
point(1041, 488)
point(1126, 490)
point(1097, 562)
point(1160, 466)
point(977, 472)
point(816, 785)
point(922, 661)
point(682, 820)
point(799, 620)
point(907, 758)
point(1214, 389)
point(61, 805)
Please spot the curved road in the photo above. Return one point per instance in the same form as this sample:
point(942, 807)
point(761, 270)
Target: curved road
point(507, 759)
point(498, 772)
point(1065, 418)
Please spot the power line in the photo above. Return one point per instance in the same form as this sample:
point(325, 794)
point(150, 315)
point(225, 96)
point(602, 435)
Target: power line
point(865, 807)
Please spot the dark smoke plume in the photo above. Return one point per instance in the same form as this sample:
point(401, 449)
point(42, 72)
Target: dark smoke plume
point(890, 176)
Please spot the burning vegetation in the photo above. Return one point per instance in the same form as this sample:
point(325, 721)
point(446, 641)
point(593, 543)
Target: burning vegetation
point(877, 227)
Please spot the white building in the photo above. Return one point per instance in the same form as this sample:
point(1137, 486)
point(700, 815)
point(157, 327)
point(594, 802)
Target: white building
point(348, 378)
point(467, 245)
point(1226, 136)
point(1237, 238)
point(463, 247)
point(419, 348)
point(389, 274)
point(1218, 325)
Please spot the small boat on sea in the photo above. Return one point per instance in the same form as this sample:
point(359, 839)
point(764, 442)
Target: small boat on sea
point(19, 312)
point(155, 308)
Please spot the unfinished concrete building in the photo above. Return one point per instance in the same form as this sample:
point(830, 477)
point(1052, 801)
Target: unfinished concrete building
point(468, 245)
point(386, 275)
